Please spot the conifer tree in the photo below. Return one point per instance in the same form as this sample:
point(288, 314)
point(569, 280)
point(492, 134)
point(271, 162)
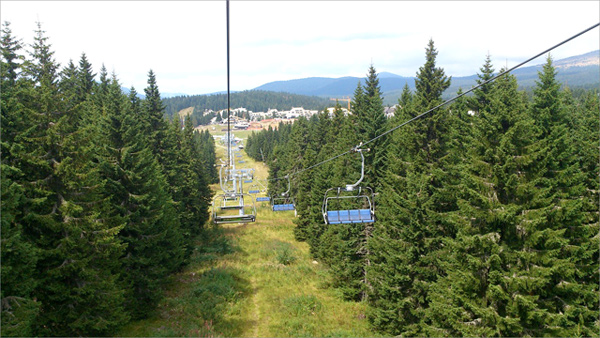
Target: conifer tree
point(342, 246)
point(554, 223)
point(60, 213)
point(85, 78)
point(10, 56)
point(471, 299)
point(205, 144)
point(308, 205)
point(371, 122)
point(140, 202)
point(404, 103)
point(153, 110)
point(481, 99)
point(408, 243)
point(18, 253)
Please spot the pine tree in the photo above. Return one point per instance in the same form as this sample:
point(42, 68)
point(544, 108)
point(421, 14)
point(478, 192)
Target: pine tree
point(371, 122)
point(153, 110)
point(60, 214)
point(555, 225)
point(471, 299)
point(19, 255)
point(85, 78)
point(481, 99)
point(10, 55)
point(408, 245)
point(139, 200)
point(341, 246)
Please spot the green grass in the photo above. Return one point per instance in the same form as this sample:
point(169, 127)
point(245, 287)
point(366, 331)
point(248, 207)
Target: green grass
point(253, 280)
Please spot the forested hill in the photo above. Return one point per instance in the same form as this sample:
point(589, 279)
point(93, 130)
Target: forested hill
point(253, 100)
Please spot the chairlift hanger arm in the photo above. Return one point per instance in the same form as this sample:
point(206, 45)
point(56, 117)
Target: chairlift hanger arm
point(350, 187)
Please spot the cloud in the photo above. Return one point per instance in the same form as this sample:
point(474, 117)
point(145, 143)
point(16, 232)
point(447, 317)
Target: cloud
point(184, 42)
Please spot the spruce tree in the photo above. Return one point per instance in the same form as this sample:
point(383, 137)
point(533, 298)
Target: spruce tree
point(471, 299)
point(139, 201)
point(11, 47)
point(371, 122)
point(555, 223)
point(408, 245)
point(60, 215)
point(481, 99)
point(85, 78)
point(19, 255)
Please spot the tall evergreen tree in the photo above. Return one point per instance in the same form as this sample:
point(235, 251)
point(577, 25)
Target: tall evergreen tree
point(153, 110)
point(19, 255)
point(408, 246)
point(140, 202)
point(85, 78)
point(10, 54)
point(60, 213)
point(371, 122)
point(481, 99)
point(555, 224)
point(471, 299)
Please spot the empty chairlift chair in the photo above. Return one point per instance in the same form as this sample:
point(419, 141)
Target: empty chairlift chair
point(234, 208)
point(351, 204)
point(285, 202)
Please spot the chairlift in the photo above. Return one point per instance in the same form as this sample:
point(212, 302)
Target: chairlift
point(285, 202)
point(350, 204)
point(243, 210)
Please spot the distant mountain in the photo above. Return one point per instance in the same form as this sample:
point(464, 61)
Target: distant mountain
point(333, 87)
point(577, 71)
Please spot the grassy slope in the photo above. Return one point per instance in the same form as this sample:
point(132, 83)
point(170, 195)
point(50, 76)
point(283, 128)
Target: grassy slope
point(253, 280)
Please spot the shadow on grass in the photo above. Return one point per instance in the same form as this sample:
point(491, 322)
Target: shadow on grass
point(205, 299)
point(216, 294)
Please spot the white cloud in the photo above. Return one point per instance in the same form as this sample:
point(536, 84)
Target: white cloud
point(183, 42)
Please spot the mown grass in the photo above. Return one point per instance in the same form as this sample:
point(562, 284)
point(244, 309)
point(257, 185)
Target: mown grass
point(253, 280)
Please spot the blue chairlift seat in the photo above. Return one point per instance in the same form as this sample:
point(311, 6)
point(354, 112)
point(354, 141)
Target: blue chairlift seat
point(240, 161)
point(361, 199)
point(350, 216)
point(254, 192)
point(248, 181)
point(263, 199)
point(283, 207)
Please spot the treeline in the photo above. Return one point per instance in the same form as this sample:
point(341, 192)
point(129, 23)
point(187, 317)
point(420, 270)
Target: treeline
point(102, 198)
point(252, 100)
point(486, 223)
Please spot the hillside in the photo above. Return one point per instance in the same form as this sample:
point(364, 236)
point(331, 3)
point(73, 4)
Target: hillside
point(582, 71)
point(253, 100)
point(577, 71)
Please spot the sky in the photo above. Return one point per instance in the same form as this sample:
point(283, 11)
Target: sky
point(185, 42)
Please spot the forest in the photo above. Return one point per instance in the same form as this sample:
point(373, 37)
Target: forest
point(102, 197)
point(252, 100)
point(486, 210)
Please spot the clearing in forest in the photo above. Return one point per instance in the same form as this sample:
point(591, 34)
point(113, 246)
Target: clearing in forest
point(253, 280)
